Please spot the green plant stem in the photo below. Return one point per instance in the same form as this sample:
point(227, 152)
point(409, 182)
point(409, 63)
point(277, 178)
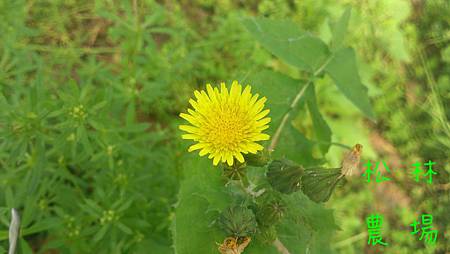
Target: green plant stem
point(280, 247)
point(294, 103)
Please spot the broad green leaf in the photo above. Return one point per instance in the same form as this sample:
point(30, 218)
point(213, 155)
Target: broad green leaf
point(339, 28)
point(152, 246)
point(296, 147)
point(344, 71)
point(258, 247)
point(201, 197)
point(287, 41)
point(307, 226)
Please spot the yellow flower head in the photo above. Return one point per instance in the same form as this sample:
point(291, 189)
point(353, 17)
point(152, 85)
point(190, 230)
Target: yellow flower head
point(226, 123)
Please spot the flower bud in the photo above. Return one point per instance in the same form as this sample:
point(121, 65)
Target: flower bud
point(285, 176)
point(267, 235)
point(318, 183)
point(238, 221)
point(271, 213)
point(259, 159)
point(235, 172)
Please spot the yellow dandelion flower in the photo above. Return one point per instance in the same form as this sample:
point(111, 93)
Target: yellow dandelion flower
point(226, 123)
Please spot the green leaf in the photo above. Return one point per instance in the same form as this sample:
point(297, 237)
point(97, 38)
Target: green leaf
point(124, 228)
point(101, 233)
point(41, 226)
point(296, 147)
point(280, 91)
point(344, 71)
point(287, 41)
point(339, 28)
point(322, 131)
point(25, 247)
point(306, 226)
point(257, 246)
point(201, 197)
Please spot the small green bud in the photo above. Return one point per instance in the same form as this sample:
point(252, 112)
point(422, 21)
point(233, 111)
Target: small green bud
point(235, 172)
point(259, 159)
point(285, 176)
point(271, 213)
point(238, 221)
point(267, 235)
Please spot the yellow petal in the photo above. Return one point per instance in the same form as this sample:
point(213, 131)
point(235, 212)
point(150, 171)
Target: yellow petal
point(239, 157)
point(230, 159)
point(262, 114)
point(261, 137)
point(216, 160)
point(190, 129)
point(204, 151)
point(190, 119)
point(190, 136)
point(196, 147)
point(263, 121)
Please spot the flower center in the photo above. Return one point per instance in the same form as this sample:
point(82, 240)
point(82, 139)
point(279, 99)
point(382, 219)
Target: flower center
point(227, 128)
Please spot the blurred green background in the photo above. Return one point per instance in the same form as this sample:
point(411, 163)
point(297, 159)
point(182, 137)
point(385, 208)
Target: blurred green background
point(90, 93)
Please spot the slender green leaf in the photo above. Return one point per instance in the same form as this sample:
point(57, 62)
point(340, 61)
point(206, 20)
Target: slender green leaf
point(322, 131)
point(339, 28)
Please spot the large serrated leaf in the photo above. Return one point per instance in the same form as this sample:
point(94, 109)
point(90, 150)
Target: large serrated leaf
point(201, 197)
point(287, 41)
point(307, 226)
point(344, 71)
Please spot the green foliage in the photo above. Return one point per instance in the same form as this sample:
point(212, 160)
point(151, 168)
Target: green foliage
point(285, 40)
point(344, 71)
point(90, 92)
point(201, 199)
point(339, 28)
point(303, 225)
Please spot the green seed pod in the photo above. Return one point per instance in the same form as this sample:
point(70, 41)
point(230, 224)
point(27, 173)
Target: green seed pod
point(238, 221)
point(285, 176)
point(267, 235)
point(271, 213)
point(318, 183)
point(259, 159)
